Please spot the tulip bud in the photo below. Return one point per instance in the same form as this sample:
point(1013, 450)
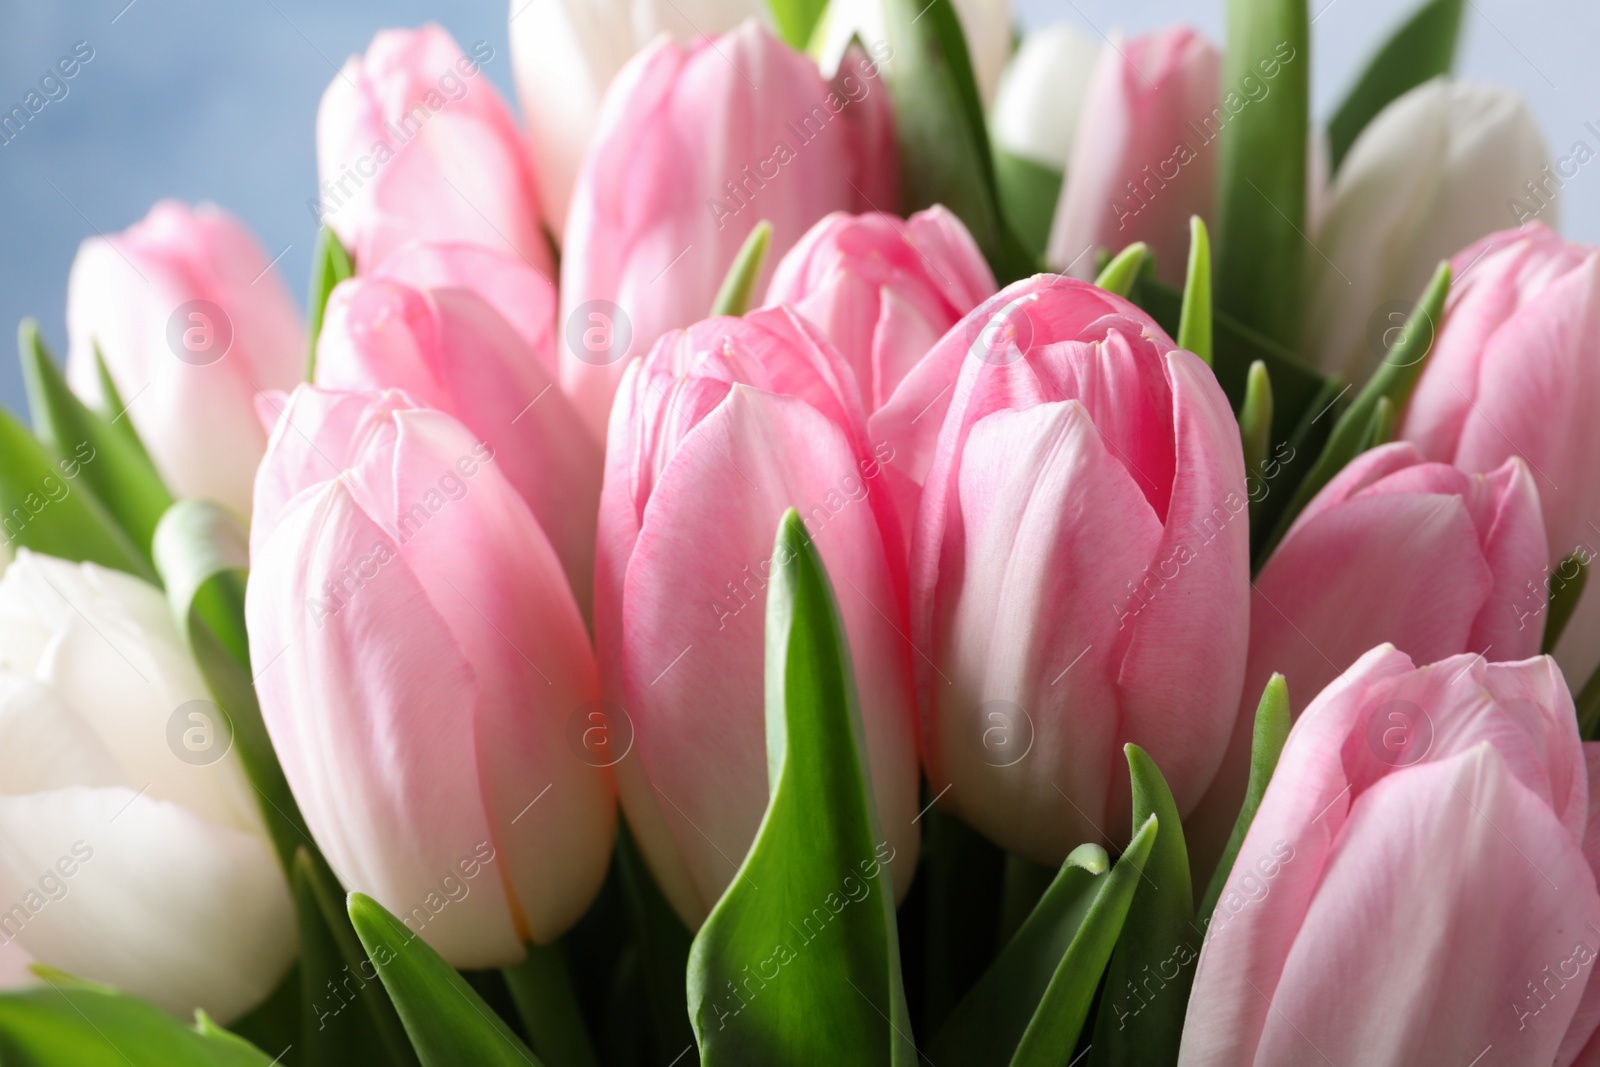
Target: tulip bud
point(1438, 168)
point(131, 848)
point(716, 433)
point(566, 53)
point(1080, 567)
point(468, 331)
point(1413, 888)
point(192, 321)
point(1143, 160)
point(695, 146)
point(1040, 101)
point(426, 676)
point(414, 143)
point(1514, 371)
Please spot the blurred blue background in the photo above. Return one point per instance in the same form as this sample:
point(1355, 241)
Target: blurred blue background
point(216, 100)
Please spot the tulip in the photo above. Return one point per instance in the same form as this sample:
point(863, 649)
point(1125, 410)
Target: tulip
point(131, 848)
point(985, 24)
point(1438, 168)
point(694, 147)
point(468, 331)
point(1393, 549)
point(566, 54)
point(413, 144)
point(1039, 104)
point(1513, 372)
point(717, 432)
point(426, 677)
point(1142, 160)
point(1079, 569)
point(192, 321)
point(1413, 888)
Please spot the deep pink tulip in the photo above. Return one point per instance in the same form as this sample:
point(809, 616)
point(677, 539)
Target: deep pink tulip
point(468, 330)
point(1144, 158)
point(1080, 567)
point(415, 143)
point(715, 434)
point(425, 675)
point(1394, 549)
point(1514, 372)
point(695, 146)
point(193, 322)
point(1413, 888)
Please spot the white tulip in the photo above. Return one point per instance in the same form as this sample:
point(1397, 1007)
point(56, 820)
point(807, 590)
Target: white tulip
point(565, 54)
point(1041, 94)
point(1440, 167)
point(985, 23)
point(130, 852)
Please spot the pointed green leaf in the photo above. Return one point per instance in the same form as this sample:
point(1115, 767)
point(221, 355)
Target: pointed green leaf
point(448, 1023)
point(738, 287)
point(1028, 193)
point(1194, 328)
point(121, 476)
point(541, 987)
point(1424, 47)
point(76, 1024)
point(1153, 966)
point(797, 19)
point(330, 265)
point(1271, 731)
point(1380, 427)
point(1566, 586)
point(1255, 434)
point(1261, 167)
point(988, 1024)
point(1392, 381)
point(799, 962)
point(1119, 275)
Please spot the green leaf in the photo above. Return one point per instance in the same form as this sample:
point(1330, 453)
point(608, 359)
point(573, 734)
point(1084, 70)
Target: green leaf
point(663, 945)
point(799, 962)
point(1566, 586)
point(1291, 460)
point(449, 1024)
point(1153, 966)
point(1025, 885)
point(1119, 275)
point(1424, 47)
point(1271, 731)
point(1380, 426)
point(1053, 1031)
point(541, 987)
point(1261, 167)
point(1588, 708)
point(346, 1014)
point(1255, 434)
point(1028, 193)
point(960, 874)
point(738, 287)
point(1194, 326)
point(330, 265)
point(988, 1024)
point(1392, 381)
point(797, 19)
point(121, 476)
point(77, 1024)
point(940, 129)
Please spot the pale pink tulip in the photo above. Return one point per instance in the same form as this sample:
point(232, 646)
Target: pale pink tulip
point(425, 675)
point(1080, 567)
point(1394, 549)
point(193, 321)
point(1413, 888)
point(415, 143)
point(715, 434)
point(1144, 158)
point(1514, 372)
point(468, 331)
point(695, 146)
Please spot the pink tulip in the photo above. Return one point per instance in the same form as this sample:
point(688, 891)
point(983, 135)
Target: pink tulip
point(718, 431)
point(695, 146)
point(414, 143)
point(883, 290)
point(1080, 567)
point(1394, 549)
point(193, 322)
point(425, 675)
point(1413, 888)
point(468, 331)
point(1144, 160)
point(1513, 372)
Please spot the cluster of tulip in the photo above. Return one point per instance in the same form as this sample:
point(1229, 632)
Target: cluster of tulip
point(1154, 663)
